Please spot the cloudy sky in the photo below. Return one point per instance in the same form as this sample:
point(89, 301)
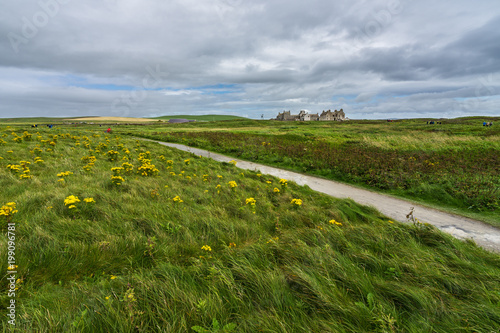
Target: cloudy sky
point(375, 59)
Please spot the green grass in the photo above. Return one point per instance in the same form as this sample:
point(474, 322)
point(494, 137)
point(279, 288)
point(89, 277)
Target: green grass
point(214, 117)
point(136, 261)
point(453, 165)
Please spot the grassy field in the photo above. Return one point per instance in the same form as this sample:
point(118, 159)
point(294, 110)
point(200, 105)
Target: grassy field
point(454, 165)
point(214, 117)
point(117, 235)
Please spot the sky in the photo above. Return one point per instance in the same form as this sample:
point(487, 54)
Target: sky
point(374, 59)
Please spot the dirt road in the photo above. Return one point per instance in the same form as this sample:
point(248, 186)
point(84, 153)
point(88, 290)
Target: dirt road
point(461, 227)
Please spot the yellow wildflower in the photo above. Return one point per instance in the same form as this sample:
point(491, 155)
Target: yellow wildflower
point(177, 199)
point(250, 201)
point(334, 222)
point(71, 200)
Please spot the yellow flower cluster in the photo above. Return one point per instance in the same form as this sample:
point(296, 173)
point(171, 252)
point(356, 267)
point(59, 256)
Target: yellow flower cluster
point(250, 201)
point(71, 201)
point(276, 190)
point(117, 170)
point(127, 167)
point(177, 199)
point(232, 184)
point(102, 146)
point(25, 174)
point(146, 168)
point(283, 182)
point(144, 156)
point(296, 202)
point(38, 160)
point(206, 248)
point(334, 222)
point(90, 160)
point(27, 136)
point(112, 155)
point(187, 161)
point(117, 180)
point(8, 209)
point(64, 174)
point(14, 167)
point(233, 162)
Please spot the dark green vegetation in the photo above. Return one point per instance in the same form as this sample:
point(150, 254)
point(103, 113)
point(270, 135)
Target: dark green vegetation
point(453, 165)
point(214, 117)
point(169, 249)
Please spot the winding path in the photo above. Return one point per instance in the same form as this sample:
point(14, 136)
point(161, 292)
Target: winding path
point(460, 227)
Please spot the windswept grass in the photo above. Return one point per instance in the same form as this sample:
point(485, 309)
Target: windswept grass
point(453, 165)
point(177, 248)
point(214, 117)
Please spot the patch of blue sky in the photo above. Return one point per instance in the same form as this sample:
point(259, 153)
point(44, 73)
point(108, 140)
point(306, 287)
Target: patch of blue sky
point(218, 89)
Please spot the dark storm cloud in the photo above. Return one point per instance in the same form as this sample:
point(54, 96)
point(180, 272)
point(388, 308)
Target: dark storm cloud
point(61, 57)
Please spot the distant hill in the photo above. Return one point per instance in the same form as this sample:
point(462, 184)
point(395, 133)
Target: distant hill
point(31, 120)
point(214, 117)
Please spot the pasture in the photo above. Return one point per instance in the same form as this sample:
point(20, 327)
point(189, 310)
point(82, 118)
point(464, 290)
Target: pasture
point(453, 166)
point(115, 234)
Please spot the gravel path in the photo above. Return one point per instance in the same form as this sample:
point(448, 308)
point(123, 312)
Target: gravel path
point(461, 227)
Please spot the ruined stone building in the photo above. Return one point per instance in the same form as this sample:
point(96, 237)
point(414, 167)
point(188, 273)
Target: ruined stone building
point(335, 115)
point(304, 116)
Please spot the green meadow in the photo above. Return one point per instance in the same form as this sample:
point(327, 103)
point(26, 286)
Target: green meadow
point(114, 234)
point(214, 117)
point(454, 165)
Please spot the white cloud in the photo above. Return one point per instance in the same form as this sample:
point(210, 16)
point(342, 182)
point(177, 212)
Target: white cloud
point(371, 58)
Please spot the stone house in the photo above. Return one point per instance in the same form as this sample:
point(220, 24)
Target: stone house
point(286, 116)
point(304, 116)
point(335, 115)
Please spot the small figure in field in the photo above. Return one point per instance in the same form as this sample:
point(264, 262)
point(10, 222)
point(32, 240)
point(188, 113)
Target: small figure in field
point(108, 130)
